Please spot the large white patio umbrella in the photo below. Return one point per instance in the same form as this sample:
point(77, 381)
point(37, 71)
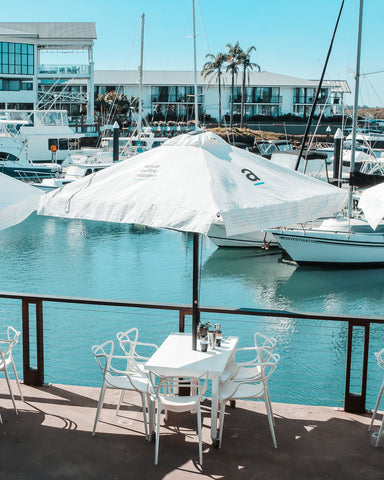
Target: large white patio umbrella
point(186, 183)
point(17, 201)
point(372, 204)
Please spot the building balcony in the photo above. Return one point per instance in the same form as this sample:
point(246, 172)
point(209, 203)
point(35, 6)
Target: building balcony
point(66, 71)
point(309, 100)
point(276, 99)
point(189, 99)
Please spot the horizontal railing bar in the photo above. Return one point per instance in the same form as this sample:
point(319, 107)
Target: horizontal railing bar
point(356, 319)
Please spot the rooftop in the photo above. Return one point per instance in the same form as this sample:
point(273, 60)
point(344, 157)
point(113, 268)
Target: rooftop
point(172, 77)
point(51, 438)
point(50, 30)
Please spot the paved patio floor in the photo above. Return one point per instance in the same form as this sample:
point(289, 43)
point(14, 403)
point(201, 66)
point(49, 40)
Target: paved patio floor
point(51, 438)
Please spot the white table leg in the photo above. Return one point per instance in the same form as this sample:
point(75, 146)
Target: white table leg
point(214, 405)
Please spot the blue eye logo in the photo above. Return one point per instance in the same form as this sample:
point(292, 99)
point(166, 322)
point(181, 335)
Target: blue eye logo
point(252, 177)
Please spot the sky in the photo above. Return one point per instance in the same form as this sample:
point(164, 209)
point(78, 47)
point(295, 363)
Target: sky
point(291, 37)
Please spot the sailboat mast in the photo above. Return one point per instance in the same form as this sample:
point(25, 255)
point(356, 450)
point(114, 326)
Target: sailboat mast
point(195, 67)
point(141, 78)
point(355, 106)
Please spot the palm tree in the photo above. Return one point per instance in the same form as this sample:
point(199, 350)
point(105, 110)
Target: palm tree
point(234, 52)
point(214, 67)
point(245, 64)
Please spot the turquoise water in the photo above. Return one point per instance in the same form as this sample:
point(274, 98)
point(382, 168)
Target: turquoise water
point(109, 261)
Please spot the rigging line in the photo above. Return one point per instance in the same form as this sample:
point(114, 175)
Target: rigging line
point(375, 91)
point(318, 88)
point(202, 21)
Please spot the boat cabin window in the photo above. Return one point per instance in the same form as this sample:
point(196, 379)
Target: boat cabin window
point(51, 142)
point(63, 143)
point(88, 172)
point(52, 118)
point(74, 143)
point(8, 156)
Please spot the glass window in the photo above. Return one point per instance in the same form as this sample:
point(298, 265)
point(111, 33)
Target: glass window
point(63, 143)
point(73, 144)
point(16, 58)
point(51, 142)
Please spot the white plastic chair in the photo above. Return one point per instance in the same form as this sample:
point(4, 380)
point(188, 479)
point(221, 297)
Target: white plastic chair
point(167, 399)
point(120, 380)
point(250, 388)
point(6, 359)
point(237, 370)
point(380, 363)
point(134, 351)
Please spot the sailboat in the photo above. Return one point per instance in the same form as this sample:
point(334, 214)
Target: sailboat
point(341, 240)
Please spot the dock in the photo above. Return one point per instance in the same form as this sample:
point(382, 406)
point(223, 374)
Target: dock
point(50, 438)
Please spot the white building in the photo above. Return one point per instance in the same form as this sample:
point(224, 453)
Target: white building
point(26, 83)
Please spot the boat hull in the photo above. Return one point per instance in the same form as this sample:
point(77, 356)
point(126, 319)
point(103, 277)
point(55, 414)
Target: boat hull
point(33, 173)
point(344, 249)
point(256, 239)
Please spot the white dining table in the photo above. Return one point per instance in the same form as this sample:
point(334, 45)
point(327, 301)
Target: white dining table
point(175, 357)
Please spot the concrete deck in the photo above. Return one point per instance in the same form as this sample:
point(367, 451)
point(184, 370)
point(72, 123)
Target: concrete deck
point(51, 438)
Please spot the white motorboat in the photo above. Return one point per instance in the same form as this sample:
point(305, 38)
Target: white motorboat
point(337, 241)
point(129, 146)
point(33, 144)
point(257, 239)
point(82, 165)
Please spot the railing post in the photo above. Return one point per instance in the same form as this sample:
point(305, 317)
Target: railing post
point(33, 376)
point(181, 321)
point(355, 402)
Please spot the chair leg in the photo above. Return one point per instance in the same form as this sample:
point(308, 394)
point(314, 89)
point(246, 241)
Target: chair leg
point(377, 405)
point(10, 390)
point(379, 434)
point(99, 407)
point(120, 401)
point(198, 415)
point(152, 411)
point(269, 401)
point(221, 421)
point(17, 380)
point(144, 402)
point(158, 418)
point(270, 416)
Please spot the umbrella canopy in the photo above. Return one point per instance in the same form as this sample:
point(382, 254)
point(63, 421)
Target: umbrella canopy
point(18, 200)
point(186, 183)
point(372, 204)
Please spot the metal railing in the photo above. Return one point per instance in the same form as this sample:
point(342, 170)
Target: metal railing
point(34, 307)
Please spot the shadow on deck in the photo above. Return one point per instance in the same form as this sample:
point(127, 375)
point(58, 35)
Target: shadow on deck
point(51, 438)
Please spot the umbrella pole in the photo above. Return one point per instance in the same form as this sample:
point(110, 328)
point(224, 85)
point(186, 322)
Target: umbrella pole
point(195, 292)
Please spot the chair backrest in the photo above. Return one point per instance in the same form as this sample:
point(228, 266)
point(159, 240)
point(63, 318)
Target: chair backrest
point(268, 366)
point(380, 358)
point(130, 345)
point(169, 386)
point(128, 340)
point(103, 354)
point(263, 342)
point(6, 346)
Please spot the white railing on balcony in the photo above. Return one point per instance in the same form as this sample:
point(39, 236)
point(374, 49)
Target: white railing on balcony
point(64, 70)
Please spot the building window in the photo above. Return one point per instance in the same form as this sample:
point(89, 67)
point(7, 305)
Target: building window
point(16, 58)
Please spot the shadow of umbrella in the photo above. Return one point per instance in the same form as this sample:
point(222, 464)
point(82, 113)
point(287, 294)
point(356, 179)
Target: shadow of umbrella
point(184, 184)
